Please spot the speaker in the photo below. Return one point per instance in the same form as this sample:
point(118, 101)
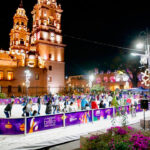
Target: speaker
point(144, 104)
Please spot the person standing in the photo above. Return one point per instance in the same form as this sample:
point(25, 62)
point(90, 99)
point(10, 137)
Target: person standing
point(83, 103)
point(29, 109)
point(49, 107)
point(71, 107)
point(101, 105)
point(39, 104)
point(8, 109)
point(94, 105)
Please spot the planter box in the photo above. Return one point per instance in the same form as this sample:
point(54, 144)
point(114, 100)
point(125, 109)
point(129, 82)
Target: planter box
point(147, 123)
point(83, 139)
point(96, 133)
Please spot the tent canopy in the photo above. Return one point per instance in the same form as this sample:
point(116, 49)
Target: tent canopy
point(140, 89)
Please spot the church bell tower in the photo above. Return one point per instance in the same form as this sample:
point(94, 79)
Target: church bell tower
point(20, 36)
point(47, 38)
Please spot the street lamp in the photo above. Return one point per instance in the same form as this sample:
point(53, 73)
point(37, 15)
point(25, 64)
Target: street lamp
point(27, 82)
point(91, 79)
point(145, 59)
point(139, 45)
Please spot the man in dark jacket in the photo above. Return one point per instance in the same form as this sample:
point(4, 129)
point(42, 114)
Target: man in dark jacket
point(39, 104)
point(8, 109)
point(49, 107)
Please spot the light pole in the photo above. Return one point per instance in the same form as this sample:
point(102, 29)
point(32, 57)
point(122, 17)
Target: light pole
point(145, 59)
point(27, 82)
point(91, 79)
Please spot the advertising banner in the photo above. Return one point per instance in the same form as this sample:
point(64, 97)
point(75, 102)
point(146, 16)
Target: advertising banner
point(78, 118)
point(148, 106)
point(44, 123)
point(138, 108)
point(16, 100)
point(101, 114)
point(11, 126)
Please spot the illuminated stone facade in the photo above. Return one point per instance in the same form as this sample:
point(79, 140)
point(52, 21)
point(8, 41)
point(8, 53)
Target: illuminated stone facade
point(41, 48)
point(107, 80)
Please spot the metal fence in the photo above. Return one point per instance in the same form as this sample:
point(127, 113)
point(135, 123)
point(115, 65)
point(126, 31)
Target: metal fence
point(28, 125)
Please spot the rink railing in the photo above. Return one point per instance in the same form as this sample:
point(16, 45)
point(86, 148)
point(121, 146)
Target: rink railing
point(16, 126)
point(16, 100)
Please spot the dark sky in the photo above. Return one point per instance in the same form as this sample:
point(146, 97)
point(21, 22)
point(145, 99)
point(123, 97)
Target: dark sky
point(107, 21)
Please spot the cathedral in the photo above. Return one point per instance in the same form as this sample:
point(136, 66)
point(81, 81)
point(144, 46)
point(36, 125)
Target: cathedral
point(40, 51)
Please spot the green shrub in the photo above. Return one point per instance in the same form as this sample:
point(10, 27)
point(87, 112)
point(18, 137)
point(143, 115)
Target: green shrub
point(3, 95)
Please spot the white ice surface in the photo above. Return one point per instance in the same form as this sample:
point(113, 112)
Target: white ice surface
point(17, 110)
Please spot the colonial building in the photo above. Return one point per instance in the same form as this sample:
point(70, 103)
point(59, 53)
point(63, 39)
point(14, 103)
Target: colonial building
point(41, 51)
point(109, 80)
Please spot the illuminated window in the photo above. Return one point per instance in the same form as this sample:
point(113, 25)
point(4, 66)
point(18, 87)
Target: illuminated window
point(52, 36)
point(49, 79)
point(22, 42)
point(50, 56)
point(37, 77)
point(10, 76)
point(1, 75)
point(58, 38)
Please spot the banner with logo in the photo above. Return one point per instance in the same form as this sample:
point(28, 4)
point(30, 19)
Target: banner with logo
point(16, 100)
point(44, 123)
point(78, 118)
point(101, 114)
point(11, 126)
point(138, 108)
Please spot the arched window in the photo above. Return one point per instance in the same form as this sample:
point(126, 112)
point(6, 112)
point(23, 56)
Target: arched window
point(22, 42)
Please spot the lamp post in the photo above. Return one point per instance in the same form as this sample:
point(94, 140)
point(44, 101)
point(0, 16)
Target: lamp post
point(91, 79)
point(145, 59)
point(27, 81)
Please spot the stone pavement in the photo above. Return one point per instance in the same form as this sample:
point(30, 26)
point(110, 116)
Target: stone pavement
point(75, 145)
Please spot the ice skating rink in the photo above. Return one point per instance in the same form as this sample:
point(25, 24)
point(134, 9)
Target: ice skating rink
point(47, 138)
point(17, 110)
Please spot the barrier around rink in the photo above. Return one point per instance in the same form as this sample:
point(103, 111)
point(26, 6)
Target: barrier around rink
point(17, 126)
point(16, 100)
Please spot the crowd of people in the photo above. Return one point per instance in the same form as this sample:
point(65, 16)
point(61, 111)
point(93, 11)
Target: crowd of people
point(58, 104)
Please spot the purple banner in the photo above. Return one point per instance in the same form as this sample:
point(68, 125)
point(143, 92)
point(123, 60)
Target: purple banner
point(16, 100)
point(44, 123)
point(11, 126)
point(148, 106)
point(78, 118)
point(128, 109)
point(138, 108)
point(101, 114)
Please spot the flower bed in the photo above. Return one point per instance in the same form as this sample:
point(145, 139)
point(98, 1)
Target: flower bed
point(118, 138)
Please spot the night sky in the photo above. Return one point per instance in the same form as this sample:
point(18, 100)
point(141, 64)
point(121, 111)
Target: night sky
point(109, 22)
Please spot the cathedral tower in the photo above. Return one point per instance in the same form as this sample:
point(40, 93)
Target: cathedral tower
point(46, 37)
point(19, 35)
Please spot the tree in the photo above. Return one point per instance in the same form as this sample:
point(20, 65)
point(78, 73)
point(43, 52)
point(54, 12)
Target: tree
point(97, 88)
